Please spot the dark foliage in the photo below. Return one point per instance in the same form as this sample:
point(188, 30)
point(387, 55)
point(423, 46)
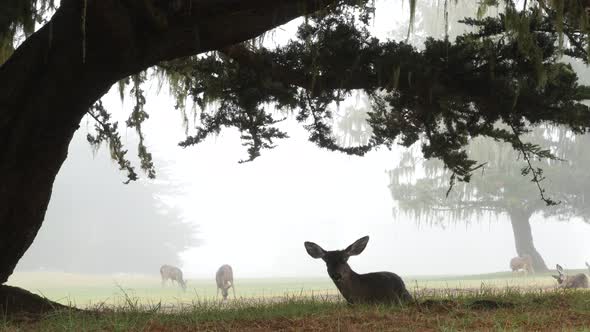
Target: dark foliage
point(507, 71)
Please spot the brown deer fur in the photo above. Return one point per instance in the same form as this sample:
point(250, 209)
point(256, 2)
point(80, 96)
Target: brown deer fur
point(225, 279)
point(169, 272)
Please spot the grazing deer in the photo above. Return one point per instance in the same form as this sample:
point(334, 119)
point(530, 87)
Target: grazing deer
point(579, 280)
point(172, 273)
point(524, 262)
point(225, 279)
point(376, 287)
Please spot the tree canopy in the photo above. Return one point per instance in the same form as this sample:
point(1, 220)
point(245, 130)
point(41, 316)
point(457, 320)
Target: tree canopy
point(500, 185)
point(448, 92)
point(507, 70)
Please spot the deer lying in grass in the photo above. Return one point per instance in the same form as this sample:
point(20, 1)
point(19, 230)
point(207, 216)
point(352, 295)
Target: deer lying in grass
point(225, 279)
point(376, 287)
point(169, 272)
point(524, 263)
point(579, 280)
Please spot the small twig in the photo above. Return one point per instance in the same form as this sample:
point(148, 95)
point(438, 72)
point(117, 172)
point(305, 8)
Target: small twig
point(104, 125)
point(451, 184)
point(536, 176)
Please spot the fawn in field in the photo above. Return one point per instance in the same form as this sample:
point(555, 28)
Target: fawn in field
point(376, 287)
point(579, 280)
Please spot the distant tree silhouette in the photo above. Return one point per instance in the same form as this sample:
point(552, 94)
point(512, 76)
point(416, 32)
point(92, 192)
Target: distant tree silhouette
point(500, 187)
point(95, 224)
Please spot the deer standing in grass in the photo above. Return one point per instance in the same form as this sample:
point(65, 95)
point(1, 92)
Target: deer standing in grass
point(169, 272)
point(579, 280)
point(225, 279)
point(376, 287)
point(524, 262)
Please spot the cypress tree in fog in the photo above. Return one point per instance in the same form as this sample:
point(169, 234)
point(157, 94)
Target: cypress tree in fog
point(500, 187)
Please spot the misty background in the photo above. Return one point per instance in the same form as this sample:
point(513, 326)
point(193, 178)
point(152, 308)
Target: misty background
point(205, 209)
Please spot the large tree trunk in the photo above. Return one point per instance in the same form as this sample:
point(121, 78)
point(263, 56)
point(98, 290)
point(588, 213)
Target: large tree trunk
point(60, 71)
point(523, 238)
point(45, 92)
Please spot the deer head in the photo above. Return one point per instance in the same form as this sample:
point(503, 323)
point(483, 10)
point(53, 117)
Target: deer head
point(337, 260)
point(560, 277)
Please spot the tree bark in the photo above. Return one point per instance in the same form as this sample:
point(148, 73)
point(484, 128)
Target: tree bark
point(523, 238)
point(52, 79)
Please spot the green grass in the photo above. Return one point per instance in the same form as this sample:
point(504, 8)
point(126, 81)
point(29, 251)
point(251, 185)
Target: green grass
point(499, 301)
point(484, 309)
point(90, 290)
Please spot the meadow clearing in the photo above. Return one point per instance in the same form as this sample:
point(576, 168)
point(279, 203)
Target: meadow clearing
point(85, 291)
point(499, 301)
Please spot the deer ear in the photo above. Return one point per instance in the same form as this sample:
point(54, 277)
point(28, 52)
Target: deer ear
point(314, 250)
point(556, 277)
point(559, 268)
point(587, 265)
point(357, 247)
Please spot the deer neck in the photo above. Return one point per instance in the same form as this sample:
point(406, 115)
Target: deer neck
point(347, 284)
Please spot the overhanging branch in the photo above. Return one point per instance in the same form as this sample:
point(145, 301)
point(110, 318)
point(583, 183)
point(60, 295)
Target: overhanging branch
point(212, 24)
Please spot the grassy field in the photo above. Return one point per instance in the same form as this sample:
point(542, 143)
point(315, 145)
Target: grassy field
point(498, 301)
point(90, 290)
